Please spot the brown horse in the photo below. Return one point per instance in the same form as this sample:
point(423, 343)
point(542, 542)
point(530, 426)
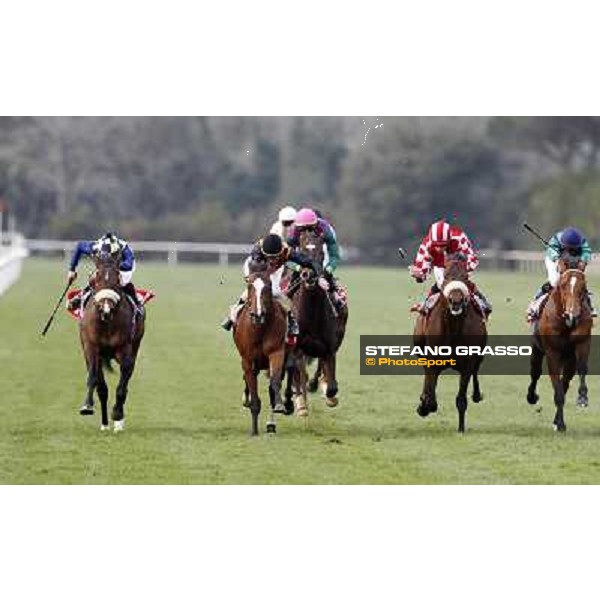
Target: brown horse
point(563, 336)
point(110, 329)
point(322, 325)
point(260, 337)
point(453, 321)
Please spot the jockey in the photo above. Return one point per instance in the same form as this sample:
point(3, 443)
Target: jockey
point(273, 252)
point(569, 241)
point(307, 219)
point(109, 243)
point(442, 239)
point(284, 223)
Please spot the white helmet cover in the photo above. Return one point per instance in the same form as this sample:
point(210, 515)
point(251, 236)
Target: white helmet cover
point(287, 214)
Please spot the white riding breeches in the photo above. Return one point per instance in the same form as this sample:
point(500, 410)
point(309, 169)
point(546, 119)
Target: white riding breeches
point(439, 274)
point(127, 276)
point(552, 269)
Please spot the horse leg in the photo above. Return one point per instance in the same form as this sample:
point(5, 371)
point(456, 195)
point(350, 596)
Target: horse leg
point(568, 372)
point(461, 399)
point(537, 358)
point(582, 352)
point(92, 358)
point(313, 384)
point(118, 414)
point(290, 371)
point(103, 396)
point(300, 380)
point(251, 378)
point(428, 400)
point(246, 395)
point(554, 368)
point(276, 364)
point(331, 392)
point(477, 395)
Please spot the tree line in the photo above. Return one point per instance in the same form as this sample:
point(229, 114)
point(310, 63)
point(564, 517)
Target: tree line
point(381, 180)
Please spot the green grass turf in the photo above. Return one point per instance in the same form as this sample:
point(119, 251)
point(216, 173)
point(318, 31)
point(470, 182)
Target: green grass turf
point(185, 423)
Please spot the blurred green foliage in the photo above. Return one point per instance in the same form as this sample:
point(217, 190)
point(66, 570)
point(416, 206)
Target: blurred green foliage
point(381, 180)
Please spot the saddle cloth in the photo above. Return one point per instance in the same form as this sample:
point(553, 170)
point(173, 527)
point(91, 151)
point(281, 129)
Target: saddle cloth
point(144, 296)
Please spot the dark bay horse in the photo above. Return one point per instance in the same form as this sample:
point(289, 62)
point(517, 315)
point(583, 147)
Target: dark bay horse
point(563, 336)
point(260, 337)
point(453, 321)
point(110, 329)
point(322, 325)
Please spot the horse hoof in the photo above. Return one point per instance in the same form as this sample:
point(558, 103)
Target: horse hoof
point(559, 428)
point(422, 411)
point(331, 402)
point(532, 398)
point(312, 386)
point(289, 407)
point(119, 425)
point(477, 399)
point(582, 402)
point(104, 427)
point(302, 412)
point(86, 410)
point(433, 408)
point(271, 428)
point(279, 408)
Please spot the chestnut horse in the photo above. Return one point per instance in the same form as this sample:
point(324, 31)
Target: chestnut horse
point(322, 325)
point(563, 336)
point(453, 321)
point(109, 329)
point(260, 337)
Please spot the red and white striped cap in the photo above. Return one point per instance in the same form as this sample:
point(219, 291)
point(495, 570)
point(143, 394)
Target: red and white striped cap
point(440, 233)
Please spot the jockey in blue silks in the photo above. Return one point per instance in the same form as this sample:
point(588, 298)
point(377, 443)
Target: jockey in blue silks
point(112, 245)
point(570, 242)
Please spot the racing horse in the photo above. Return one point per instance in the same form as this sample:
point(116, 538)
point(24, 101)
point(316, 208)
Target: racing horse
point(453, 321)
point(322, 325)
point(260, 337)
point(111, 328)
point(563, 336)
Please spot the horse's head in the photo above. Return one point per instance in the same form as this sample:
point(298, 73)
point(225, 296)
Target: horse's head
point(107, 283)
point(455, 287)
point(260, 297)
point(572, 287)
point(310, 243)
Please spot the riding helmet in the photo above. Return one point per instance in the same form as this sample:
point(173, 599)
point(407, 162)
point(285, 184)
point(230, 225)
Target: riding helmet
point(271, 245)
point(571, 238)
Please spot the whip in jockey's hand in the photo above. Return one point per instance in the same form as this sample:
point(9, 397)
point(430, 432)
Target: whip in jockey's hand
point(71, 277)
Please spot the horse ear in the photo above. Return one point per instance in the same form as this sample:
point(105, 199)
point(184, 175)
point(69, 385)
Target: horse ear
point(581, 265)
point(562, 265)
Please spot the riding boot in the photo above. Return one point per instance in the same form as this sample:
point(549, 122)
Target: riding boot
point(293, 329)
point(590, 297)
point(228, 323)
point(545, 289)
point(533, 311)
point(129, 289)
point(75, 302)
point(487, 307)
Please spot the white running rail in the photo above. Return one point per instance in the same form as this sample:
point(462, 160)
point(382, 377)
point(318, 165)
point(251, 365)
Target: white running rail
point(12, 253)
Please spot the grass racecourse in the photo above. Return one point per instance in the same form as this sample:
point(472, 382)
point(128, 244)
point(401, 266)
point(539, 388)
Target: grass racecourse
point(185, 423)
